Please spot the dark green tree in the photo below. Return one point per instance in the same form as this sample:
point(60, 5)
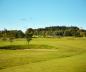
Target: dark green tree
point(19, 34)
point(11, 36)
point(4, 34)
point(29, 34)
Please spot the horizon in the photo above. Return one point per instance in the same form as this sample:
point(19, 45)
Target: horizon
point(42, 28)
point(23, 14)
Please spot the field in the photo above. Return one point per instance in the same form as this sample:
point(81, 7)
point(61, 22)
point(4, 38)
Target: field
point(44, 55)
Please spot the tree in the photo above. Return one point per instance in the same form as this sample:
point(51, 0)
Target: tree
point(4, 34)
point(19, 34)
point(28, 34)
point(1, 35)
point(11, 36)
point(8, 35)
point(67, 33)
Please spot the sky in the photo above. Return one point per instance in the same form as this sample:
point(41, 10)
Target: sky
point(23, 14)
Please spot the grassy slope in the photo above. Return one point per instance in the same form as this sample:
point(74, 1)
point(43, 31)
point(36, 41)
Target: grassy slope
point(70, 64)
point(69, 57)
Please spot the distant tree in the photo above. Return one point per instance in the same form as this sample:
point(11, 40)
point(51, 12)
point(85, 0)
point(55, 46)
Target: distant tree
point(28, 34)
point(11, 36)
point(4, 35)
point(59, 33)
point(20, 34)
point(1, 35)
point(8, 35)
point(67, 33)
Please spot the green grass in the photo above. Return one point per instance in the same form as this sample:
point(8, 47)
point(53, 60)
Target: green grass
point(69, 64)
point(44, 55)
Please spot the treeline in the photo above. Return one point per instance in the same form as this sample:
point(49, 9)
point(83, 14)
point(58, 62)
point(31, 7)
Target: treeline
point(11, 34)
point(60, 31)
point(54, 31)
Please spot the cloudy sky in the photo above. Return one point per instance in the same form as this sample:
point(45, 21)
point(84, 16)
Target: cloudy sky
point(23, 14)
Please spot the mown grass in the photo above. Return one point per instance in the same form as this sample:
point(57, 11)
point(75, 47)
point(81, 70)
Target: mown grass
point(44, 55)
point(69, 64)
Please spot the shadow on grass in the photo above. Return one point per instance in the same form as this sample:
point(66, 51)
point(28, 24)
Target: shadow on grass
point(21, 47)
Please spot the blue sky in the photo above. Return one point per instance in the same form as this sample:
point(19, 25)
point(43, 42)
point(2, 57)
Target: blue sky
point(23, 14)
